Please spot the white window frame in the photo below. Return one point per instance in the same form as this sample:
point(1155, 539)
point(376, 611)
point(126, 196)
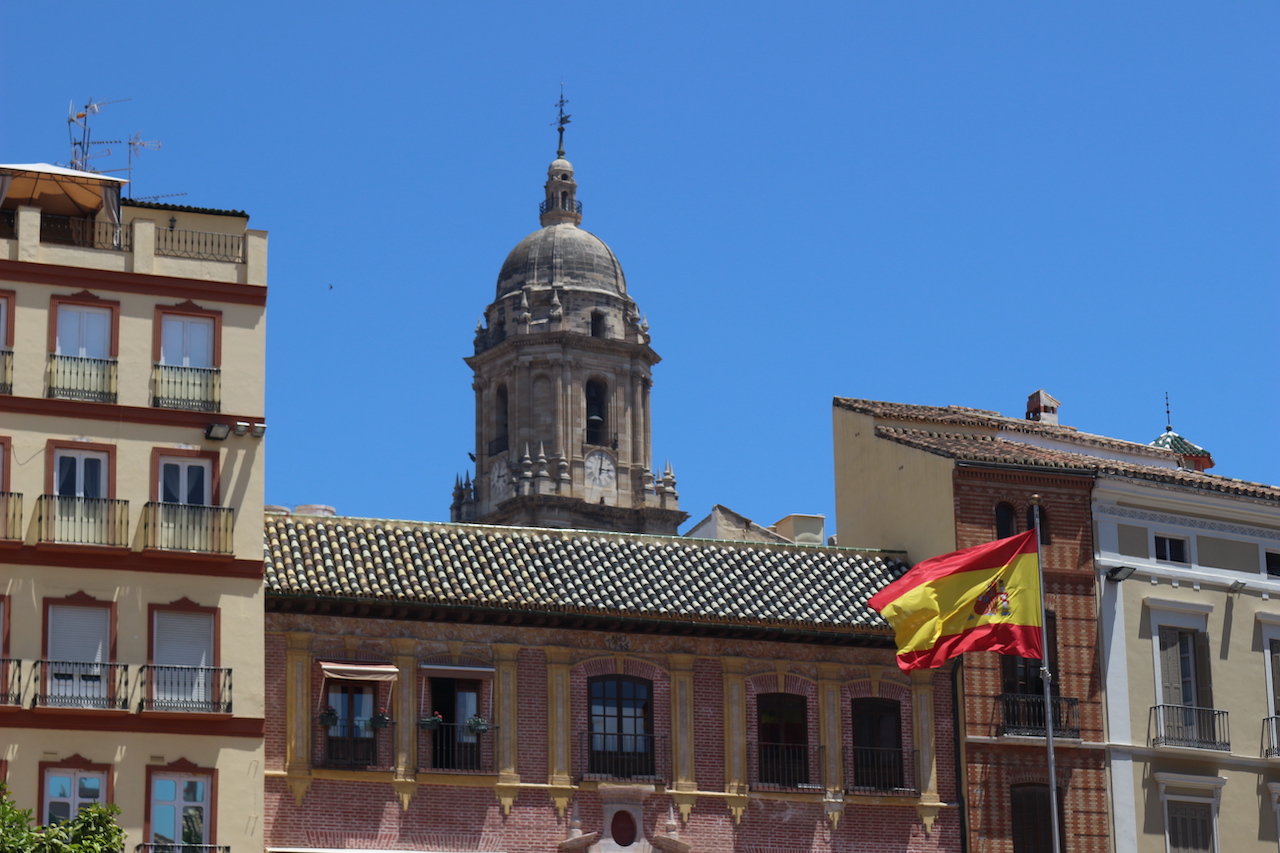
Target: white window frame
point(1186, 547)
point(1167, 613)
point(181, 325)
point(185, 463)
point(181, 649)
point(179, 779)
point(74, 801)
point(81, 313)
point(1191, 789)
point(80, 456)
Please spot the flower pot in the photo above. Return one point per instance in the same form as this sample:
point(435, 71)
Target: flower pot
point(328, 718)
point(380, 721)
point(477, 725)
point(429, 724)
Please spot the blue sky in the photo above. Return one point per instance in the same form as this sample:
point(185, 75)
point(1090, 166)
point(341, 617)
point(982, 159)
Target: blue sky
point(925, 202)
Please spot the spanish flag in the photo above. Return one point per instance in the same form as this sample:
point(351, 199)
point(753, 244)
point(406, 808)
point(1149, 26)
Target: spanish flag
point(984, 598)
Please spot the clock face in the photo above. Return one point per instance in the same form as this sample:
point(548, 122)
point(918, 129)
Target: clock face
point(499, 484)
point(601, 470)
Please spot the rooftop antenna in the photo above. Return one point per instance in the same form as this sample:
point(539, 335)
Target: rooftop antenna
point(136, 146)
point(560, 122)
point(155, 197)
point(80, 155)
point(1168, 418)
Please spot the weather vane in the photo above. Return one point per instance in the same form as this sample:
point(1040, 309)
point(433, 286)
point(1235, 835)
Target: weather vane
point(560, 122)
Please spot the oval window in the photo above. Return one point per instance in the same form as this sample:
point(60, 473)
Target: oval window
point(623, 828)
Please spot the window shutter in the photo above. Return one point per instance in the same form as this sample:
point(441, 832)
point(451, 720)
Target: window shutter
point(79, 633)
point(1275, 677)
point(1170, 668)
point(1204, 680)
point(1190, 828)
point(183, 639)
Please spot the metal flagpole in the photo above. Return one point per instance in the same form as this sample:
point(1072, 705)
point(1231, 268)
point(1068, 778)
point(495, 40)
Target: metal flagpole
point(1046, 677)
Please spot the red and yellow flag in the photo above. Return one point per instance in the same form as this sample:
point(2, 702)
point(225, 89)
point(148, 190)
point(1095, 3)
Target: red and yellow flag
point(984, 598)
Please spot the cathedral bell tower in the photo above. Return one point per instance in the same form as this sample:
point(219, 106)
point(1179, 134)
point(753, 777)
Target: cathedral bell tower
point(562, 376)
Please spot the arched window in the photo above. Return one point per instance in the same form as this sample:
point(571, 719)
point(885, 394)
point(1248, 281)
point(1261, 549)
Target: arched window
point(597, 325)
point(1032, 823)
point(877, 744)
point(564, 201)
point(500, 422)
point(1044, 523)
point(783, 731)
point(1005, 525)
point(621, 735)
point(597, 412)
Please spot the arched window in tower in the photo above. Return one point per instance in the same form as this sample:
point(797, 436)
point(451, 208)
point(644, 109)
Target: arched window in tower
point(1004, 520)
point(1044, 523)
point(564, 200)
point(500, 441)
point(597, 412)
point(597, 325)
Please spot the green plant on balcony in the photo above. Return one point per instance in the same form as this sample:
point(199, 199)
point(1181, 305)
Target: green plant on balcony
point(478, 724)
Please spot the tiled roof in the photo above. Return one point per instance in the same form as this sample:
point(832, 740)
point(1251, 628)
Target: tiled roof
point(575, 571)
point(1170, 440)
point(994, 449)
point(181, 208)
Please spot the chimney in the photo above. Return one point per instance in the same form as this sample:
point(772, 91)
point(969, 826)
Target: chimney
point(1043, 408)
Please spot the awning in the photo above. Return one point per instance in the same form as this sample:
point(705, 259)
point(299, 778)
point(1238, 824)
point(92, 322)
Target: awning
point(354, 671)
point(60, 191)
point(436, 670)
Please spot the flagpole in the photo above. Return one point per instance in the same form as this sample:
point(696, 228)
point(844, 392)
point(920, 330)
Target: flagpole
point(1046, 678)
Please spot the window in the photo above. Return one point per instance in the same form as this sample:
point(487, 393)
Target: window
point(783, 729)
point(186, 350)
point(1044, 523)
point(82, 510)
point(80, 473)
point(621, 726)
point(1032, 824)
point(67, 791)
point(351, 741)
point(877, 744)
point(454, 746)
point(1272, 732)
point(180, 811)
point(83, 343)
point(182, 674)
point(597, 325)
point(1004, 521)
point(1186, 716)
point(597, 412)
point(186, 481)
point(1171, 550)
point(78, 672)
point(1273, 564)
point(6, 341)
point(186, 341)
point(1190, 827)
point(500, 422)
point(83, 331)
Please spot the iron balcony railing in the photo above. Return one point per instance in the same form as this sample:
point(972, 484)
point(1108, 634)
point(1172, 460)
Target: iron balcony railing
point(1271, 737)
point(786, 766)
point(74, 378)
point(89, 233)
point(10, 515)
point(6, 371)
point(457, 748)
point(203, 245)
point(83, 521)
point(195, 389)
point(8, 224)
point(189, 527)
point(615, 756)
point(82, 684)
point(10, 681)
point(556, 204)
point(180, 847)
point(191, 689)
point(1022, 715)
point(1184, 725)
point(880, 770)
point(353, 744)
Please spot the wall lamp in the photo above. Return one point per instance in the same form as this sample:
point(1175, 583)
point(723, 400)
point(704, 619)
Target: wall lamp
point(217, 432)
point(1237, 586)
point(1119, 573)
point(173, 220)
point(241, 428)
point(258, 431)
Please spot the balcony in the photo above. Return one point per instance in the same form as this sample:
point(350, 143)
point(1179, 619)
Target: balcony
point(83, 521)
point(181, 847)
point(555, 204)
point(1187, 726)
point(187, 689)
point(877, 770)
point(87, 233)
point(189, 527)
point(1022, 715)
point(6, 371)
point(201, 245)
point(354, 745)
point(10, 681)
point(80, 684)
point(1271, 737)
point(193, 389)
point(614, 757)
point(785, 767)
point(75, 378)
point(455, 748)
point(10, 515)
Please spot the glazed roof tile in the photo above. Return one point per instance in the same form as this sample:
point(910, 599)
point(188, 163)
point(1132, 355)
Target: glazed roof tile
point(995, 449)
point(531, 569)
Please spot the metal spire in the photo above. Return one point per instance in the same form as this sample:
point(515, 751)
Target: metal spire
point(1168, 418)
point(561, 121)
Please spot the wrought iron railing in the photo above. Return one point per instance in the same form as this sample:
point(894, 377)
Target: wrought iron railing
point(195, 389)
point(90, 233)
point(189, 527)
point(556, 204)
point(1271, 737)
point(6, 371)
point(10, 515)
point(457, 748)
point(353, 743)
point(1184, 725)
point(10, 681)
point(1022, 715)
point(193, 689)
point(180, 847)
point(613, 756)
point(879, 770)
point(74, 378)
point(81, 684)
point(786, 766)
point(83, 521)
point(203, 245)
point(8, 224)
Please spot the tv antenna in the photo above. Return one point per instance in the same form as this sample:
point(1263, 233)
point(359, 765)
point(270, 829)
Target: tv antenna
point(561, 120)
point(136, 146)
point(156, 197)
point(80, 155)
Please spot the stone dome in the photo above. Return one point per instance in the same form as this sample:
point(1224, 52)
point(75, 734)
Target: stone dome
point(563, 255)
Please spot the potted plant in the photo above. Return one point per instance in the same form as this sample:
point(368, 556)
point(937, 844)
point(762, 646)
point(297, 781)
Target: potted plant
point(328, 716)
point(431, 722)
point(478, 725)
point(381, 719)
